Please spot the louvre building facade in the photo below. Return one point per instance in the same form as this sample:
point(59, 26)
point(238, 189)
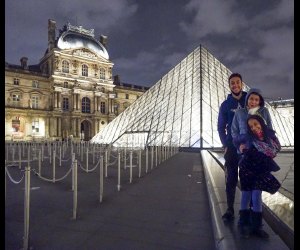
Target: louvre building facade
point(70, 93)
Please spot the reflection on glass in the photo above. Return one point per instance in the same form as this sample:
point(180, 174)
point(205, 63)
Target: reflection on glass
point(282, 206)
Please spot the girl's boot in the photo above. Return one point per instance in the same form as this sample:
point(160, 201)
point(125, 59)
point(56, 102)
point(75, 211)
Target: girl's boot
point(257, 226)
point(244, 223)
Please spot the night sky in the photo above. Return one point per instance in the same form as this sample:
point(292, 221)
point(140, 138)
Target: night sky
point(147, 38)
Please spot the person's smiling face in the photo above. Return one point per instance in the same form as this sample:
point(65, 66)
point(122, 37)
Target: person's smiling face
point(235, 84)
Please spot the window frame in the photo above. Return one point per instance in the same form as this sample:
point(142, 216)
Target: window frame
point(85, 105)
point(16, 81)
point(65, 66)
point(102, 73)
point(84, 70)
point(102, 107)
point(35, 102)
point(65, 104)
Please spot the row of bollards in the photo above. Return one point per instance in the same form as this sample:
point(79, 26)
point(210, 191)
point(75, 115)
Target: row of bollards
point(159, 154)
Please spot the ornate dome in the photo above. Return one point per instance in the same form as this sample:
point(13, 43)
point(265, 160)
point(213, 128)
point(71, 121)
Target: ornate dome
point(77, 37)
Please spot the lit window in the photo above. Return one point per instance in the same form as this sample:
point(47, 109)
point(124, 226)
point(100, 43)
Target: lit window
point(66, 85)
point(102, 73)
point(16, 124)
point(35, 125)
point(85, 70)
point(35, 84)
point(65, 66)
point(65, 104)
point(102, 107)
point(16, 81)
point(35, 102)
point(85, 105)
point(16, 98)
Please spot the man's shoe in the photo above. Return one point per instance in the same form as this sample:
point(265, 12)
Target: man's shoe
point(229, 215)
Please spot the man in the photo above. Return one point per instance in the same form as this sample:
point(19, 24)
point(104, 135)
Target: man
point(234, 101)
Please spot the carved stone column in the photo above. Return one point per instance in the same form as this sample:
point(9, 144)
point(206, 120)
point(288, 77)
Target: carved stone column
point(59, 99)
point(78, 127)
point(58, 126)
point(74, 102)
point(95, 104)
point(54, 98)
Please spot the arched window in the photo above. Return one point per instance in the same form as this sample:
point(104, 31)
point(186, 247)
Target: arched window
point(65, 66)
point(102, 73)
point(85, 105)
point(85, 70)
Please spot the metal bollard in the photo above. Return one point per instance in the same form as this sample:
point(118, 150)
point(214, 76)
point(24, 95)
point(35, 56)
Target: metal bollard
point(13, 154)
point(40, 162)
point(152, 153)
point(75, 191)
point(50, 155)
point(60, 156)
point(101, 178)
point(53, 166)
point(130, 165)
point(140, 163)
point(124, 158)
point(26, 204)
point(87, 159)
point(73, 159)
point(106, 162)
point(156, 155)
point(20, 158)
point(42, 152)
point(94, 154)
point(146, 160)
point(119, 171)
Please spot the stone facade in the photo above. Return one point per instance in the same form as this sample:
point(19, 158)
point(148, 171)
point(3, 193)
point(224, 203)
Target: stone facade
point(70, 93)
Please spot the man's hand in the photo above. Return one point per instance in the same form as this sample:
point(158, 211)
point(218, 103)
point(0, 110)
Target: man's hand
point(242, 147)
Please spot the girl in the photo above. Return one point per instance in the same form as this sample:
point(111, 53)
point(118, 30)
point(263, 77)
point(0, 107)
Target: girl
point(255, 167)
point(254, 104)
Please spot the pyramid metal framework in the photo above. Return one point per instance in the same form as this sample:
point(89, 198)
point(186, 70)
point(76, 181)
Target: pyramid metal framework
point(181, 109)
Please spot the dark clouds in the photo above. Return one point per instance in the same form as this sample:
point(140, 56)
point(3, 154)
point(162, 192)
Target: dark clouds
point(148, 38)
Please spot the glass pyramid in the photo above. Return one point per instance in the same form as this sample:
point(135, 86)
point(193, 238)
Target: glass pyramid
point(181, 109)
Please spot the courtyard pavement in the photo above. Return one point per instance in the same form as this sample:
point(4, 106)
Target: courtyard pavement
point(166, 208)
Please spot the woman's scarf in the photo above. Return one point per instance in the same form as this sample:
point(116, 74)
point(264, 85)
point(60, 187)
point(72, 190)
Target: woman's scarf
point(269, 149)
